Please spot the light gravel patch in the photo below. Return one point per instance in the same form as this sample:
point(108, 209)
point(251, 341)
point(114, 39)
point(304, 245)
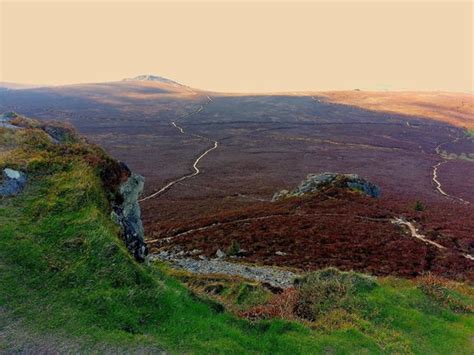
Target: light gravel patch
point(274, 277)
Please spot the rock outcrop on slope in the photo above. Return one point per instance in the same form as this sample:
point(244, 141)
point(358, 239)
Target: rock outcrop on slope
point(321, 182)
point(126, 212)
point(58, 132)
point(121, 186)
point(13, 182)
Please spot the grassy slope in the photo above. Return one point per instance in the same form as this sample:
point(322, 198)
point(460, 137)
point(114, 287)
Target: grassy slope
point(64, 271)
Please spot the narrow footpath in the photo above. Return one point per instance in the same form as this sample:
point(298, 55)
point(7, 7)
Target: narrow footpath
point(195, 167)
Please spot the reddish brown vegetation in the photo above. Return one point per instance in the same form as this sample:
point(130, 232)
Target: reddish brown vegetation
point(267, 143)
point(282, 305)
point(341, 229)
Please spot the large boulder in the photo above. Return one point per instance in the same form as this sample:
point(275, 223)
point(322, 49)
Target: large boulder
point(321, 182)
point(12, 183)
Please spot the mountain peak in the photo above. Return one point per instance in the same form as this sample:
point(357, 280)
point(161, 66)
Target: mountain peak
point(148, 77)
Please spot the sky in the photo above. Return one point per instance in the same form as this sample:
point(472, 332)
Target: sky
point(246, 46)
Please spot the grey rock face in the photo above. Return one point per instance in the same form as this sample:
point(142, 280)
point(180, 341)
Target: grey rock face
point(128, 215)
point(13, 182)
point(318, 182)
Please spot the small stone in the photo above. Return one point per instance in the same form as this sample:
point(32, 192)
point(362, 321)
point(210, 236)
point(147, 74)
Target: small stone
point(220, 254)
point(12, 174)
point(13, 182)
point(195, 252)
point(280, 253)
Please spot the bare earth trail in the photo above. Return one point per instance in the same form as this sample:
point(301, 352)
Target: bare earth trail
point(196, 171)
point(276, 277)
point(414, 233)
point(435, 174)
point(161, 241)
point(435, 168)
point(211, 226)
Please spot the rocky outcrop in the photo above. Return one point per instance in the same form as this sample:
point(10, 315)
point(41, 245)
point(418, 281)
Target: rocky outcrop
point(13, 182)
point(122, 187)
point(321, 182)
point(5, 120)
point(126, 212)
point(58, 132)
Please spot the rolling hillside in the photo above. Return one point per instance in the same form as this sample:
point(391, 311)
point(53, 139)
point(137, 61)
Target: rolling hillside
point(68, 282)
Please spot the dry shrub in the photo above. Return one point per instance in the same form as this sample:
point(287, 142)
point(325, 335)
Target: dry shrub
point(318, 295)
point(315, 295)
point(329, 289)
point(280, 306)
point(438, 290)
point(20, 121)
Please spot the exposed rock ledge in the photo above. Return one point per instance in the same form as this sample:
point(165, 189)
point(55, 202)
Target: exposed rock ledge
point(121, 186)
point(321, 182)
point(126, 212)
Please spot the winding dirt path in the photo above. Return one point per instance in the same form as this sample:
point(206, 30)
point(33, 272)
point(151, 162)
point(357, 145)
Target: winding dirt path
point(435, 178)
point(414, 233)
point(211, 226)
point(195, 167)
point(435, 171)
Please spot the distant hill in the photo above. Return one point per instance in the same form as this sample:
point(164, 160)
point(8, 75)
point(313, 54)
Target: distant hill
point(148, 77)
point(4, 85)
point(453, 108)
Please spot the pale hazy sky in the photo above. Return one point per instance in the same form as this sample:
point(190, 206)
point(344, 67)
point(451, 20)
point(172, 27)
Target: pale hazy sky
point(242, 46)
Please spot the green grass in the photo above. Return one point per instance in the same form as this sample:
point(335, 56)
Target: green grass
point(64, 271)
